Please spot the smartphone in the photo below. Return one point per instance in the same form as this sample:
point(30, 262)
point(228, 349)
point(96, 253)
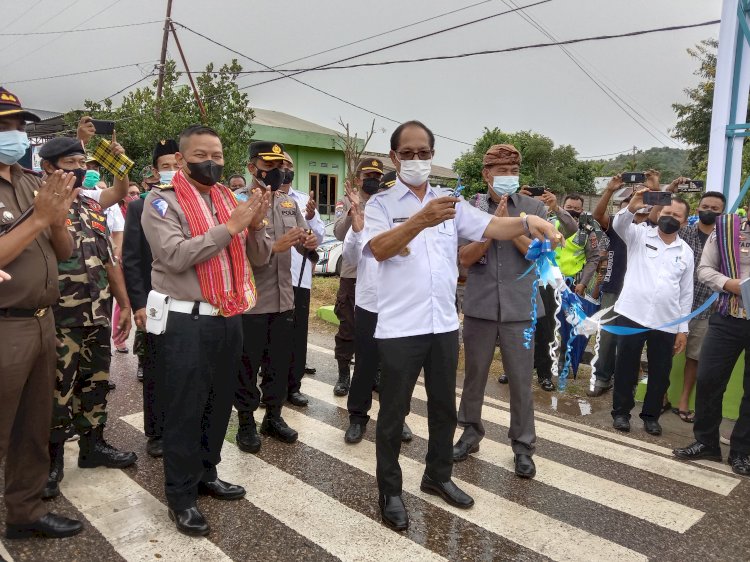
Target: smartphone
point(693, 186)
point(536, 190)
point(660, 198)
point(633, 177)
point(103, 127)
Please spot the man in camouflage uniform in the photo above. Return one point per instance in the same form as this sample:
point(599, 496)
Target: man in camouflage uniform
point(87, 282)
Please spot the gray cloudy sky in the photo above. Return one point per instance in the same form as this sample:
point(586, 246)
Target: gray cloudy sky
point(541, 89)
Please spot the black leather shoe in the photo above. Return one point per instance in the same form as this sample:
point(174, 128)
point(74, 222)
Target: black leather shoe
point(393, 512)
point(354, 433)
point(740, 463)
point(221, 490)
point(155, 447)
point(278, 429)
point(297, 399)
point(139, 373)
point(503, 379)
point(462, 450)
point(598, 391)
point(247, 435)
point(50, 526)
point(190, 522)
point(406, 434)
point(111, 385)
point(698, 450)
point(525, 467)
point(95, 451)
point(451, 493)
point(652, 427)
point(621, 423)
point(342, 385)
point(546, 384)
point(309, 370)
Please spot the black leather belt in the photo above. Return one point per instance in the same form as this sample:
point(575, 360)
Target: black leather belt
point(23, 312)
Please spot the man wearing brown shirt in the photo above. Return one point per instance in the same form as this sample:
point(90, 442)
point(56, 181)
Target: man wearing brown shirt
point(268, 327)
point(29, 250)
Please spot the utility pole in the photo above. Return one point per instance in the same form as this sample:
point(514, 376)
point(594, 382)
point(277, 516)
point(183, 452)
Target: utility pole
point(189, 74)
point(163, 58)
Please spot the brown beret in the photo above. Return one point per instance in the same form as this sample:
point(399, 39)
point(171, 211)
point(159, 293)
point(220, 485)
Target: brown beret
point(370, 165)
point(502, 154)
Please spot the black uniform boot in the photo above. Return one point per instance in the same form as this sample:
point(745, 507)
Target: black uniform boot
point(95, 451)
point(247, 435)
point(342, 385)
point(56, 471)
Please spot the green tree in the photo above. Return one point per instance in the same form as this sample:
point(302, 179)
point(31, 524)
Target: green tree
point(671, 162)
point(542, 163)
point(142, 120)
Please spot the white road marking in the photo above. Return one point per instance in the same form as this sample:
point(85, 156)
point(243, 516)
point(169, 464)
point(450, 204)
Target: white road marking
point(4, 554)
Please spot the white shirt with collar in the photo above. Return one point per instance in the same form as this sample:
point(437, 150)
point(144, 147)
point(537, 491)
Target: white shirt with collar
point(417, 288)
point(366, 291)
point(658, 286)
point(318, 228)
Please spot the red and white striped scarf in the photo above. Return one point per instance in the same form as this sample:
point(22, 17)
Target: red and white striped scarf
point(226, 280)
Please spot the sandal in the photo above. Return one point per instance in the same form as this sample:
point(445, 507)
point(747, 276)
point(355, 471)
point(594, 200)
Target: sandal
point(687, 417)
point(666, 406)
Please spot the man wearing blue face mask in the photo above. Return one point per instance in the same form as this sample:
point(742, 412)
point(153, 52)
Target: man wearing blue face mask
point(497, 306)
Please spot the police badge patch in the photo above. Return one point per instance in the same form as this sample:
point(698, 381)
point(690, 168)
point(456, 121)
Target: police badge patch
point(161, 206)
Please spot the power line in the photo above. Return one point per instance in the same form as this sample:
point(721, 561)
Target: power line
point(92, 71)
point(63, 31)
point(605, 155)
point(65, 9)
point(385, 33)
point(34, 5)
point(141, 79)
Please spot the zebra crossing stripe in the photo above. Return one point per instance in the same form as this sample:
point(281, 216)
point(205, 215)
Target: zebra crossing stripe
point(133, 521)
point(333, 526)
point(525, 527)
point(4, 555)
point(613, 495)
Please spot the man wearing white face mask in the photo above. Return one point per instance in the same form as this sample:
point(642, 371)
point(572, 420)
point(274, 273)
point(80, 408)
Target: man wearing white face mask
point(412, 230)
point(497, 305)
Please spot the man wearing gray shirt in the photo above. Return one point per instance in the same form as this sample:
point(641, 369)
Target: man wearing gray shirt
point(497, 305)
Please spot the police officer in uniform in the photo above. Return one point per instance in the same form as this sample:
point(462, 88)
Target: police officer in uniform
point(29, 250)
point(136, 266)
point(412, 229)
point(268, 327)
point(368, 168)
point(88, 280)
point(202, 240)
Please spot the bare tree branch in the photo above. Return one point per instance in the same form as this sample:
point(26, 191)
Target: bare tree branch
point(353, 147)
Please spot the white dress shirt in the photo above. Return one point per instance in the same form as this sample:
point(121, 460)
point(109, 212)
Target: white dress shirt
point(366, 291)
point(417, 291)
point(318, 228)
point(658, 286)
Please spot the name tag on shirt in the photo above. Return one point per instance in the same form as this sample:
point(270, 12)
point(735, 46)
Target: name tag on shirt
point(402, 219)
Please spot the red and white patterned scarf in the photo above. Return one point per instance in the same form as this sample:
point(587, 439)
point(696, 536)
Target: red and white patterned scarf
point(226, 280)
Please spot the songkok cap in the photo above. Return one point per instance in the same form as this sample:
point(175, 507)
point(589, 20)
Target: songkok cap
point(59, 147)
point(370, 165)
point(164, 147)
point(268, 151)
point(388, 180)
point(11, 105)
point(503, 155)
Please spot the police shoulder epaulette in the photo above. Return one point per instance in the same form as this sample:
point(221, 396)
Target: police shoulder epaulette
point(164, 187)
point(32, 172)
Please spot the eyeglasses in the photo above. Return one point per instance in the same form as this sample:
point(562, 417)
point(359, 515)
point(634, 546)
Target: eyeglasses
point(409, 154)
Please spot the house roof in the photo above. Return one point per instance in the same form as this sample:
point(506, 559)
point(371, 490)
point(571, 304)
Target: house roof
point(285, 121)
point(436, 172)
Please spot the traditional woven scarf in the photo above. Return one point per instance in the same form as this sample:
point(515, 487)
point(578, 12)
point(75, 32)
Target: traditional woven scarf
point(225, 279)
point(728, 242)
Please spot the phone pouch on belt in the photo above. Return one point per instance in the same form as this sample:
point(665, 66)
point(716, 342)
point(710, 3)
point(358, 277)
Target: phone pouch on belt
point(157, 311)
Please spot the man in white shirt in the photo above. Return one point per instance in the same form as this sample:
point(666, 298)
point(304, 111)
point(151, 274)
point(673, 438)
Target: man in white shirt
point(412, 230)
point(301, 285)
point(658, 289)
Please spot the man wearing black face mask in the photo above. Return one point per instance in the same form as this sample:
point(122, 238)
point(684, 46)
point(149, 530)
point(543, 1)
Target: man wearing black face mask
point(710, 206)
point(268, 327)
point(657, 290)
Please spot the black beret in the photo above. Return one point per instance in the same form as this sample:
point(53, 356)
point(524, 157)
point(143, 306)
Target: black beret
point(168, 146)
point(268, 151)
point(59, 147)
point(388, 180)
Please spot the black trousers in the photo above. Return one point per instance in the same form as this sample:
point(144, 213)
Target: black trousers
point(299, 338)
point(627, 366)
point(344, 309)
point(201, 357)
point(366, 367)
point(726, 339)
point(153, 383)
point(268, 334)
point(401, 360)
point(545, 333)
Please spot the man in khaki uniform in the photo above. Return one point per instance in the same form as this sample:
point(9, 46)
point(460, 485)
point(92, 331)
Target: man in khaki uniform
point(368, 168)
point(29, 250)
point(268, 327)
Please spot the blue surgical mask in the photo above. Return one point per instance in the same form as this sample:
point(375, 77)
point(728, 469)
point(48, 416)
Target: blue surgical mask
point(13, 145)
point(91, 179)
point(505, 185)
point(166, 177)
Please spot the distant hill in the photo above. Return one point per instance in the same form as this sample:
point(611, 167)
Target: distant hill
point(671, 162)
